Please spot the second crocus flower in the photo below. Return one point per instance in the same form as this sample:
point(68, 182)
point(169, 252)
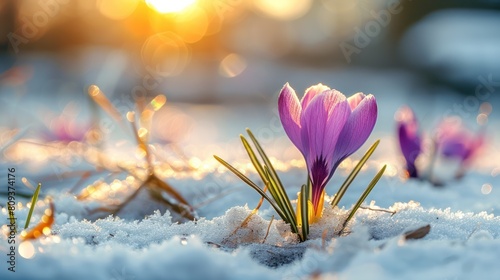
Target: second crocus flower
point(409, 139)
point(455, 141)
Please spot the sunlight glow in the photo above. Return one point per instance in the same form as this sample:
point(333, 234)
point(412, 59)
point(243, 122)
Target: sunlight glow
point(192, 26)
point(283, 9)
point(169, 6)
point(166, 52)
point(117, 9)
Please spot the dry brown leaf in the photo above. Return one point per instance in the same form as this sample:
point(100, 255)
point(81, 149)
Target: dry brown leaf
point(417, 233)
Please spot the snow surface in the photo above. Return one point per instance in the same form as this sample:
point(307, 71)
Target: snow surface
point(459, 246)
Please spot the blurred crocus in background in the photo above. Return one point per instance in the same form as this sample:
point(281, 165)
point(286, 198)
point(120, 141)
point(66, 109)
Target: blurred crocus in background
point(66, 126)
point(63, 129)
point(453, 144)
point(455, 141)
point(409, 139)
point(66, 129)
point(326, 127)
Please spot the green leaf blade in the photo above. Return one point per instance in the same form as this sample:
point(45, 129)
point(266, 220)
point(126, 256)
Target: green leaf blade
point(365, 194)
point(255, 161)
point(272, 172)
point(343, 188)
point(274, 189)
point(34, 199)
point(304, 211)
point(251, 184)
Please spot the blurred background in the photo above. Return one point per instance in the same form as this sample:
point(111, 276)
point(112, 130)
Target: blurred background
point(219, 58)
point(232, 50)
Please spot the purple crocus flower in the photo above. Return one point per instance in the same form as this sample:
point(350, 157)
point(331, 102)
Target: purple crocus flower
point(66, 130)
point(326, 127)
point(409, 139)
point(456, 141)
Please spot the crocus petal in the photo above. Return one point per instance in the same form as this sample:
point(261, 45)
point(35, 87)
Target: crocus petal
point(455, 149)
point(410, 147)
point(322, 121)
point(355, 99)
point(336, 128)
point(319, 173)
point(313, 123)
point(409, 139)
point(358, 127)
point(311, 92)
point(289, 110)
point(65, 130)
point(452, 140)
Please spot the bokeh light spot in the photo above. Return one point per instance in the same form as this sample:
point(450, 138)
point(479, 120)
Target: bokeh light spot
point(391, 170)
point(485, 108)
point(143, 132)
point(232, 65)
point(482, 119)
point(94, 90)
point(158, 102)
point(195, 162)
point(27, 250)
point(131, 116)
point(495, 172)
point(486, 189)
point(47, 231)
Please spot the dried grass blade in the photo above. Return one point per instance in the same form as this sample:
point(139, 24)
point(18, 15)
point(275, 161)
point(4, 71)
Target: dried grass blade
point(100, 98)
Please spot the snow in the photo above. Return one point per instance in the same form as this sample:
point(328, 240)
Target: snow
point(460, 245)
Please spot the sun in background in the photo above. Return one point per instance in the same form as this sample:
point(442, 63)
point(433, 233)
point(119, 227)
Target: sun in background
point(169, 6)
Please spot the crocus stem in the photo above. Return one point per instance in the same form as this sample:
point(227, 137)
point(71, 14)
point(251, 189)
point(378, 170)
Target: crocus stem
point(412, 170)
point(430, 169)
